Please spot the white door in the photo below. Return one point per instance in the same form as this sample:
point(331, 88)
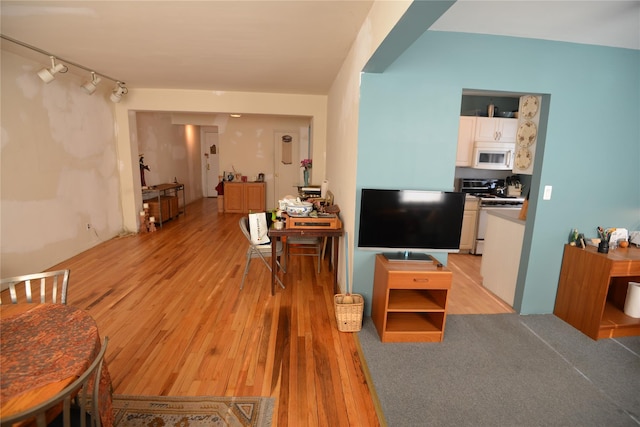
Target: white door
point(287, 164)
point(210, 167)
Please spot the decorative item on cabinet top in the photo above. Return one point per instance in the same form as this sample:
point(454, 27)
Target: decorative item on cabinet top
point(530, 106)
point(527, 134)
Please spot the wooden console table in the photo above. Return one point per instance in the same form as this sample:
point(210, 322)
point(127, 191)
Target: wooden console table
point(161, 191)
point(593, 288)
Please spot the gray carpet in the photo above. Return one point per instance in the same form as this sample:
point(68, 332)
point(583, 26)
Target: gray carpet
point(506, 370)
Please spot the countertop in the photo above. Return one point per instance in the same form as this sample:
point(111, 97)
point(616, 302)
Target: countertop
point(508, 214)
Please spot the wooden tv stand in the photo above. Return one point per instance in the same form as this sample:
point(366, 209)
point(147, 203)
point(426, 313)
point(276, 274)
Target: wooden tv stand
point(409, 301)
point(593, 288)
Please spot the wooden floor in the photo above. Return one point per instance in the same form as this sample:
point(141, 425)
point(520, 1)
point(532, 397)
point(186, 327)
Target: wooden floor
point(179, 325)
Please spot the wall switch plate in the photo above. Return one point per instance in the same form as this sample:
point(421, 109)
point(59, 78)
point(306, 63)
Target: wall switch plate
point(547, 192)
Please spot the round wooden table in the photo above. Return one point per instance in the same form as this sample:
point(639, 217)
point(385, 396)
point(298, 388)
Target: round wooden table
point(44, 348)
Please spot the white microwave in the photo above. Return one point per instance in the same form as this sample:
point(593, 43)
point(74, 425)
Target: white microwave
point(493, 155)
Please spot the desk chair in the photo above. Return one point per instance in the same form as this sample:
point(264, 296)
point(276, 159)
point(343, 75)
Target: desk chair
point(259, 251)
point(73, 413)
point(301, 246)
point(316, 244)
point(27, 286)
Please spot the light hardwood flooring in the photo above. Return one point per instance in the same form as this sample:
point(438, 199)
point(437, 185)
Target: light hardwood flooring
point(179, 325)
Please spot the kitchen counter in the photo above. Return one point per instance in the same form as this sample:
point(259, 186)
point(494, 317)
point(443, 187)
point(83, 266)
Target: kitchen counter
point(509, 215)
point(501, 256)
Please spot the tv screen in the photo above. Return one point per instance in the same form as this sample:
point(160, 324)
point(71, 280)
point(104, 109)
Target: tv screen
point(410, 222)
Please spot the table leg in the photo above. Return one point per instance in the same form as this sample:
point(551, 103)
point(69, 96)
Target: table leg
point(336, 249)
point(274, 264)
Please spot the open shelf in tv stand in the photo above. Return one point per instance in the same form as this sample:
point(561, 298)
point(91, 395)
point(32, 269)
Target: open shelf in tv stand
point(410, 300)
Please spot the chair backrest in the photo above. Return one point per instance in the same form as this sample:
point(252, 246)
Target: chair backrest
point(244, 226)
point(79, 389)
point(52, 284)
point(329, 198)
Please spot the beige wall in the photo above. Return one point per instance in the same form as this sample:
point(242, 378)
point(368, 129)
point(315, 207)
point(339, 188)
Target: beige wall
point(59, 168)
point(191, 101)
point(170, 151)
point(342, 118)
point(171, 148)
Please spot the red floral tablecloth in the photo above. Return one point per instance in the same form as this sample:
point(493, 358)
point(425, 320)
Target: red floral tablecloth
point(45, 344)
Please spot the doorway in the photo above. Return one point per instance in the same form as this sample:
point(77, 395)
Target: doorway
point(528, 113)
point(210, 148)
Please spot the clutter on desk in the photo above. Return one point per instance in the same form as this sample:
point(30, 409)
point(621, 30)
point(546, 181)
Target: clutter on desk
point(310, 212)
point(577, 239)
point(608, 238)
point(299, 208)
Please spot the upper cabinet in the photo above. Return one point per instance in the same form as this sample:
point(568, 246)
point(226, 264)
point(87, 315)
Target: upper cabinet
point(495, 129)
point(466, 131)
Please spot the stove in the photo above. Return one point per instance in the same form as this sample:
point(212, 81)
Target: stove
point(489, 191)
point(498, 200)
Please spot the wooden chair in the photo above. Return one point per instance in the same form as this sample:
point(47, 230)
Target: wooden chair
point(52, 284)
point(259, 251)
point(74, 399)
point(305, 246)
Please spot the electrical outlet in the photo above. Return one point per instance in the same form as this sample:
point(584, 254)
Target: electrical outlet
point(88, 226)
point(547, 192)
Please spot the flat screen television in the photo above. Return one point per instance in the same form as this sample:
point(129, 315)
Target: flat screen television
point(408, 224)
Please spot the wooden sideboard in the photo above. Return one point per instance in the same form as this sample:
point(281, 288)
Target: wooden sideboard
point(593, 288)
point(245, 197)
point(409, 301)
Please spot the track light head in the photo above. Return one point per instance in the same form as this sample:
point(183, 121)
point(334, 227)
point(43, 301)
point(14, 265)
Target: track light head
point(118, 91)
point(91, 85)
point(48, 74)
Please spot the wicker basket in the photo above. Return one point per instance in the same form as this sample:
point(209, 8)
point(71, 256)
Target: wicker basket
point(349, 316)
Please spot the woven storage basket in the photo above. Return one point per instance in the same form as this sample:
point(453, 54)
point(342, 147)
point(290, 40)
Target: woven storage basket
point(349, 316)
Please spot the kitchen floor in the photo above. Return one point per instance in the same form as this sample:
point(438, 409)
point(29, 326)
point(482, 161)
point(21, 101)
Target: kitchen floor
point(467, 295)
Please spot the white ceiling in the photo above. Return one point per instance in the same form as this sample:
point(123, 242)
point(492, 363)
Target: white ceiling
point(598, 22)
point(271, 46)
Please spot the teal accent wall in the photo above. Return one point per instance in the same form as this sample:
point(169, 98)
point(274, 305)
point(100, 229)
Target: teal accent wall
point(588, 149)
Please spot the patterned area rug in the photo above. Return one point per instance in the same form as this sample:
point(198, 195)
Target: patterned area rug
point(200, 411)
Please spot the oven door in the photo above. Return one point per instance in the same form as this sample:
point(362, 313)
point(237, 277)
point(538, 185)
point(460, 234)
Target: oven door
point(481, 229)
point(495, 156)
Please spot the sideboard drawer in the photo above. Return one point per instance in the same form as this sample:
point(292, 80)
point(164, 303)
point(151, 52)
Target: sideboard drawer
point(415, 280)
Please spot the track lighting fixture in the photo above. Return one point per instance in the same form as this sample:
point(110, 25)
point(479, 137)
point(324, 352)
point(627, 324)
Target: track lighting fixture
point(91, 85)
point(48, 74)
point(118, 91)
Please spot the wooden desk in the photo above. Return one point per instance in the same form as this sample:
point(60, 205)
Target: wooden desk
point(275, 235)
point(593, 288)
point(45, 347)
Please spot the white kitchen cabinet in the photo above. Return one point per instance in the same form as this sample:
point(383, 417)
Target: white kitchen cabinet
point(466, 132)
point(496, 129)
point(469, 221)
